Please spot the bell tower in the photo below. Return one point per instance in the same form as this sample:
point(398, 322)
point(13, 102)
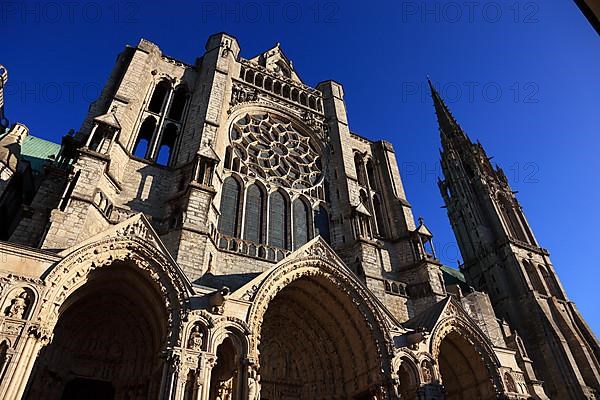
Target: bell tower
point(502, 257)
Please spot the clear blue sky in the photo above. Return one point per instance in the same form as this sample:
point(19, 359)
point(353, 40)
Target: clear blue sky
point(522, 77)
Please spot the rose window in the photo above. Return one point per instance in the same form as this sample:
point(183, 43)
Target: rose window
point(275, 150)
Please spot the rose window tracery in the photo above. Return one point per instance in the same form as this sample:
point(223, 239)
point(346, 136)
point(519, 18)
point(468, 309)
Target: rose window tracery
point(275, 150)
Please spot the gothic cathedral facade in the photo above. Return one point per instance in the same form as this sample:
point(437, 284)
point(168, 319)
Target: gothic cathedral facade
point(216, 231)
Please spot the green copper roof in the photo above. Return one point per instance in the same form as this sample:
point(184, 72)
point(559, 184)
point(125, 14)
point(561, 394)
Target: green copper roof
point(39, 151)
point(452, 275)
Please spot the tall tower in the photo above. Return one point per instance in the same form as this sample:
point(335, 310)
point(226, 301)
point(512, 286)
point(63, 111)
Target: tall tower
point(502, 257)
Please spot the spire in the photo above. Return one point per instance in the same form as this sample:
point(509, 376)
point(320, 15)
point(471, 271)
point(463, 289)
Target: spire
point(449, 128)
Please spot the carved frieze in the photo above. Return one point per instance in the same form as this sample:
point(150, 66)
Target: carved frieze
point(242, 94)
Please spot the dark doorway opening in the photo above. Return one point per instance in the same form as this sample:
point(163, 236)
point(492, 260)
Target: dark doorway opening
point(89, 389)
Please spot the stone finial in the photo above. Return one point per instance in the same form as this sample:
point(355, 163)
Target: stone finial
point(10, 145)
point(3, 80)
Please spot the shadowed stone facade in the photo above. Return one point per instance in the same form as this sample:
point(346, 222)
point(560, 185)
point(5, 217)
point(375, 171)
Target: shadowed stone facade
point(215, 231)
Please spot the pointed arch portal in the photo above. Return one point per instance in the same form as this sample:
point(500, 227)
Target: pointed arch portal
point(317, 335)
point(464, 370)
point(315, 345)
point(114, 310)
point(107, 342)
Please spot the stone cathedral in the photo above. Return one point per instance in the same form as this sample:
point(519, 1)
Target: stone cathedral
point(216, 231)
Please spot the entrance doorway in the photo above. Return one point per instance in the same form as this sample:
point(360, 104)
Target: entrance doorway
point(89, 389)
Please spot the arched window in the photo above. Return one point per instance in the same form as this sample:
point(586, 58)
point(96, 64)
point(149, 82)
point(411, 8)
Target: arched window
point(301, 223)
point(178, 104)
point(525, 226)
point(278, 221)
point(521, 346)
point(295, 94)
point(303, 99)
point(322, 224)
point(312, 102)
point(277, 87)
point(551, 283)
point(235, 164)
point(230, 201)
point(144, 137)
point(167, 145)
point(254, 211)
point(379, 215)
point(360, 169)
point(258, 81)
point(227, 162)
point(250, 76)
point(534, 277)
point(371, 175)
point(286, 91)
point(157, 101)
point(510, 218)
point(268, 84)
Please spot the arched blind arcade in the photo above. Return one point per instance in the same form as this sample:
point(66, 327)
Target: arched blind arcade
point(230, 199)
point(253, 224)
point(278, 221)
point(301, 223)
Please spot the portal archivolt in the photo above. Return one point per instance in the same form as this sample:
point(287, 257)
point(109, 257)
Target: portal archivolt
point(107, 341)
point(466, 364)
point(316, 344)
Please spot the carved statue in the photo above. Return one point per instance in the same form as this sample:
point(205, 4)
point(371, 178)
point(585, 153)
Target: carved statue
point(224, 391)
point(253, 384)
point(196, 338)
point(426, 371)
point(18, 306)
point(396, 388)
